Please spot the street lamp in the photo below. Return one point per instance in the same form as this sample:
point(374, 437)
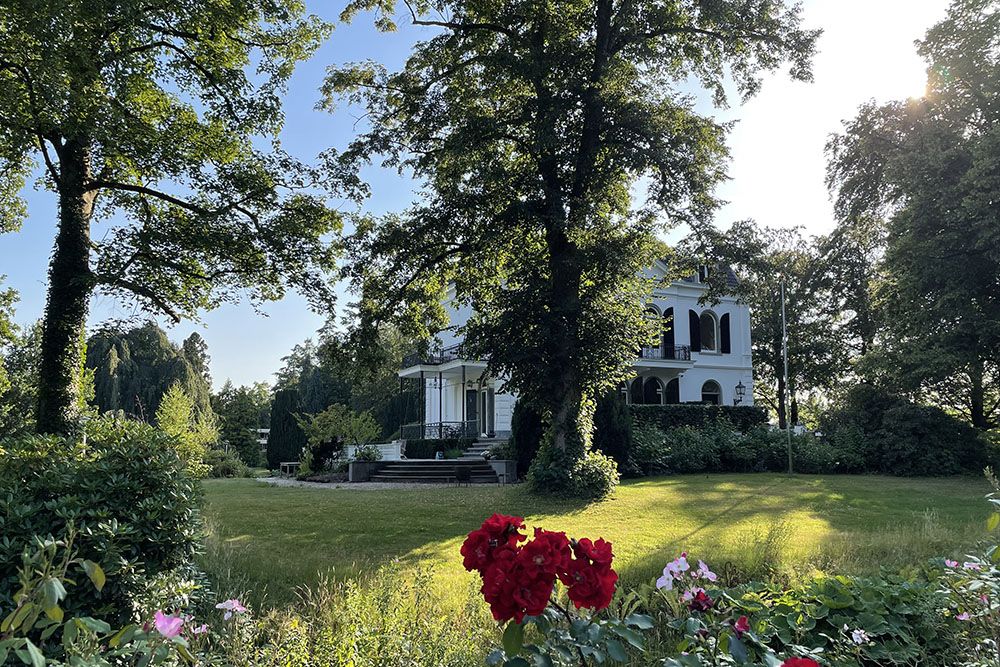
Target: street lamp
point(741, 391)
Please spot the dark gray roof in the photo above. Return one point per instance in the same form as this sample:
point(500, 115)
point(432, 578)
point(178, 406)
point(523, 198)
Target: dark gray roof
point(731, 279)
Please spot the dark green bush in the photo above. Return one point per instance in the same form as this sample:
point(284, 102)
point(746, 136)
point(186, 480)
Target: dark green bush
point(125, 491)
point(893, 436)
point(427, 448)
point(225, 464)
point(666, 417)
point(527, 430)
point(613, 428)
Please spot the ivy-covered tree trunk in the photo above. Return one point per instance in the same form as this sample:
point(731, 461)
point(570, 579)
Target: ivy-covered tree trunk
point(70, 287)
point(977, 397)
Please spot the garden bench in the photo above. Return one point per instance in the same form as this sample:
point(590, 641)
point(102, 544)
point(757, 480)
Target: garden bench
point(289, 467)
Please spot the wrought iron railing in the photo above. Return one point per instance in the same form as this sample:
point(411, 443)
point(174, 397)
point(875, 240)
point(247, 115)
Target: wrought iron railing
point(439, 430)
point(433, 358)
point(676, 352)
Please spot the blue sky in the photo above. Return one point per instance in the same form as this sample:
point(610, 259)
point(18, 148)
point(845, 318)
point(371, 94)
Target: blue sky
point(776, 173)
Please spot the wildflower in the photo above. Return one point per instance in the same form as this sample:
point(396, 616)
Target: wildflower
point(741, 626)
point(964, 616)
point(231, 607)
point(200, 630)
point(705, 573)
point(950, 563)
point(166, 625)
point(968, 565)
point(859, 636)
point(984, 598)
point(697, 599)
point(674, 570)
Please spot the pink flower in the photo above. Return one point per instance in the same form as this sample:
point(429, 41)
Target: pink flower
point(950, 563)
point(690, 594)
point(972, 566)
point(231, 607)
point(200, 630)
point(168, 626)
point(984, 598)
point(705, 573)
point(741, 626)
point(674, 570)
point(964, 616)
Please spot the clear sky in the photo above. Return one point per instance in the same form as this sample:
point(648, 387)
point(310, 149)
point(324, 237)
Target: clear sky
point(776, 173)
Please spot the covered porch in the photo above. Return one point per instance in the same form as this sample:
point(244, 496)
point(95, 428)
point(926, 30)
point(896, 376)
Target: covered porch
point(455, 400)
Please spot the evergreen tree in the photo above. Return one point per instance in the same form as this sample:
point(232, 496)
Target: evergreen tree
point(241, 411)
point(193, 433)
point(286, 439)
point(613, 427)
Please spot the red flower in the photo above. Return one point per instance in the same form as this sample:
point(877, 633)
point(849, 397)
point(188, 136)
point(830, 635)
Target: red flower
point(514, 591)
point(741, 626)
point(497, 532)
point(590, 585)
point(800, 662)
point(599, 551)
point(548, 552)
point(700, 601)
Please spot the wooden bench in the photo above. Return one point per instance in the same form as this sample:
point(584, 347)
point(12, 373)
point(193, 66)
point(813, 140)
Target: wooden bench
point(289, 467)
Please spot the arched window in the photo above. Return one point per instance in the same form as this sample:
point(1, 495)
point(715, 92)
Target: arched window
point(623, 390)
point(652, 391)
point(652, 349)
point(709, 332)
point(711, 392)
point(635, 392)
point(668, 333)
point(673, 392)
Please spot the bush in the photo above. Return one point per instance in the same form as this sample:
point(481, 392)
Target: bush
point(427, 448)
point(225, 464)
point(527, 429)
point(891, 435)
point(367, 453)
point(648, 454)
point(134, 509)
point(741, 417)
point(613, 428)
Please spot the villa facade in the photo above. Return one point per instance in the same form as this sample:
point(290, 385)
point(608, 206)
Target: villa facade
point(702, 356)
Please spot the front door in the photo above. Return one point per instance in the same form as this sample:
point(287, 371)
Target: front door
point(486, 410)
point(471, 412)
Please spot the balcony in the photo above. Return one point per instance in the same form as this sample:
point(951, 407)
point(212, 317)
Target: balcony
point(443, 356)
point(675, 353)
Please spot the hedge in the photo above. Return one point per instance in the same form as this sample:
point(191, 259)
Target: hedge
point(426, 448)
point(698, 415)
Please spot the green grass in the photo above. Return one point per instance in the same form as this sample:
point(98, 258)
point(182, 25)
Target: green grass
point(269, 540)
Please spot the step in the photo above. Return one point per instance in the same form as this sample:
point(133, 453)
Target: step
point(436, 479)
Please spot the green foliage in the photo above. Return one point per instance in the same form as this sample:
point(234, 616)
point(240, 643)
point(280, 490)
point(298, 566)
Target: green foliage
point(20, 362)
point(531, 124)
point(286, 439)
point(925, 170)
point(367, 453)
point(134, 369)
point(225, 464)
point(613, 427)
point(593, 477)
point(339, 423)
point(193, 433)
point(894, 436)
point(427, 448)
point(527, 430)
point(125, 492)
point(241, 411)
point(741, 417)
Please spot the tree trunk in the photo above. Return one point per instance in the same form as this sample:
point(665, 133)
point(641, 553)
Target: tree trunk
point(778, 366)
point(794, 405)
point(977, 396)
point(70, 287)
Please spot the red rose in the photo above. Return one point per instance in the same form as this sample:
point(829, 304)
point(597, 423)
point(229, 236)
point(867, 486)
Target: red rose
point(514, 591)
point(599, 551)
point(548, 552)
point(497, 532)
point(800, 662)
point(590, 585)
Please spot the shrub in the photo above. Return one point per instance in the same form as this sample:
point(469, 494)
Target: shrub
point(126, 494)
point(592, 477)
point(689, 449)
point(527, 429)
point(367, 453)
point(648, 454)
point(286, 438)
point(741, 417)
point(613, 428)
point(427, 448)
point(893, 436)
point(225, 464)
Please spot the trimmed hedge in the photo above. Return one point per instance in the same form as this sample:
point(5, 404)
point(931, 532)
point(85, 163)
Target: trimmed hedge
point(426, 448)
point(697, 415)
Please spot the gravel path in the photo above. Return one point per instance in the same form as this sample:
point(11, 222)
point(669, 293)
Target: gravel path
point(356, 486)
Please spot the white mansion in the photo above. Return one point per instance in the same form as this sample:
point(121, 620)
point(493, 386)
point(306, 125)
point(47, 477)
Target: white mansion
point(703, 357)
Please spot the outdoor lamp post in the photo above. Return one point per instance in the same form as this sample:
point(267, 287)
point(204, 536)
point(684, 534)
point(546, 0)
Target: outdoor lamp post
point(741, 391)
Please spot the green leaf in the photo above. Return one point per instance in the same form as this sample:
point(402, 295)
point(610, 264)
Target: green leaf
point(95, 574)
point(616, 651)
point(737, 649)
point(640, 621)
point(513, 639)
point(37, 659)
point(631, 636)
point(55, 613)
point(53, 592)
point(517, 661)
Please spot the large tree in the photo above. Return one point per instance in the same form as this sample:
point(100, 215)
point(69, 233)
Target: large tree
point(929, 169)
point(241, 411)
point(530, 123)
point(148, 113)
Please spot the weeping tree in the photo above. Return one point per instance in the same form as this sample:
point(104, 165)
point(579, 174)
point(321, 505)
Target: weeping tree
point(148, 113)
point(532, 125)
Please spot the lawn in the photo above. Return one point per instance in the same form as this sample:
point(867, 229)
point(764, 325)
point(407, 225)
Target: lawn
point(269, 540)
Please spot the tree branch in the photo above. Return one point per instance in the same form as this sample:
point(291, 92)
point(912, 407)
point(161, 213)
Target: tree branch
point(139, 290)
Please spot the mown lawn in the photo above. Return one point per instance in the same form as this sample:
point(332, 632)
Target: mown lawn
point(268, 540)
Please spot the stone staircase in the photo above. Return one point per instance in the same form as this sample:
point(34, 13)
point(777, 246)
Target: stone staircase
point(476, 449)
point(429, 471)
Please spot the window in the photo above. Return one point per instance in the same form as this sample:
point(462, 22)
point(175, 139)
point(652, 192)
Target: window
point(703, 273)
point(709, 332)
point(673, 392)
point(711, 393)
point(652, 392)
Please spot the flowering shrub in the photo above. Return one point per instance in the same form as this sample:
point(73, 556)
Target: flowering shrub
point(519, 583)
